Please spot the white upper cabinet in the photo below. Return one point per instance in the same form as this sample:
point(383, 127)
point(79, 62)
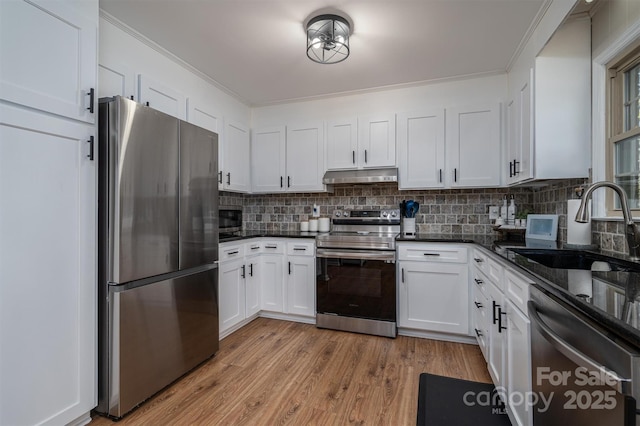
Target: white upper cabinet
point(342, 144)
point(268, 159)
point(49, 57)
point(206, 116)
point(473, 146)
point(362, 143)
point(115, 79)
point(161, 97)
point(421, 149)
point(549, 127)
point(377, 141)
point(288, 158)
point(305, 157)
point(236, 175)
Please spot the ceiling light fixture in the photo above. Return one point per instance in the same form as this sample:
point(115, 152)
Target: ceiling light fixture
point(328, 39)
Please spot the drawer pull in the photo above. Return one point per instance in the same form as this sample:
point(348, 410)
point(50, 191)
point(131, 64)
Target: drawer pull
point(271, 247)
point(431, 254)
point(478, 281)
point(478, 260)
point(255, 247)
point(233, 252)
point(478, 332)
point(300, 248)
point(478, 305)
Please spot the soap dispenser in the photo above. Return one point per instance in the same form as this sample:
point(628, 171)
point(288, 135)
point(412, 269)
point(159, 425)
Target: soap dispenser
point(511, 212)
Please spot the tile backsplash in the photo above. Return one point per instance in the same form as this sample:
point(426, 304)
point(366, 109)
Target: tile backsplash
point(448, 211)
point(441, 211)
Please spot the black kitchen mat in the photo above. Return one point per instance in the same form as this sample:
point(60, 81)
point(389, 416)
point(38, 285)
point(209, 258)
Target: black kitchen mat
point(445, 401)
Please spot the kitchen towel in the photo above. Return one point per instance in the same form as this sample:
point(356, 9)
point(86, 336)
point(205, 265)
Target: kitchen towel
point(578, 234)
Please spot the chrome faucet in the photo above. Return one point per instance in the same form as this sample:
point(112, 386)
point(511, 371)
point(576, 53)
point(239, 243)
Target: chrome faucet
point(631, 229)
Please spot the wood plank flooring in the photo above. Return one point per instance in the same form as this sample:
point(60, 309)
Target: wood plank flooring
point(274, 372)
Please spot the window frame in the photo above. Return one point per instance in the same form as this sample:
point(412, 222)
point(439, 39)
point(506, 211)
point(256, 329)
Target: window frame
point(615, 116)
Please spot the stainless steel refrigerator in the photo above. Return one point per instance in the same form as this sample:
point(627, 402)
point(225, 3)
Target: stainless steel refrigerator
point(158, 247)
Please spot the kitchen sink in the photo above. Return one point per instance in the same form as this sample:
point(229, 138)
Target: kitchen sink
point(577, 259)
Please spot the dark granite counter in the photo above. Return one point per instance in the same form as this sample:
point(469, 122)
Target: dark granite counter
point(245, 235)
point(482, 239)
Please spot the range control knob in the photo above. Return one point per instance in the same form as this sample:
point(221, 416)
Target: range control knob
point(385, 214)
point(394, 214)
point(337, 213)
point(345, 214)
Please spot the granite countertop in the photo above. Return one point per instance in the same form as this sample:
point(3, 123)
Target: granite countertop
point(245, 235)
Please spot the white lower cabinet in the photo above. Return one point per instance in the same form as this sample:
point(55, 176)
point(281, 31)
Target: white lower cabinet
point(253, 281)
point(231, 288)
point(301, 284)
point(508, 347)
point(433, 292)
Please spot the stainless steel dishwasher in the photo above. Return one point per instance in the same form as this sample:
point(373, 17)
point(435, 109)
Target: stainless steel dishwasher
point(581, 374)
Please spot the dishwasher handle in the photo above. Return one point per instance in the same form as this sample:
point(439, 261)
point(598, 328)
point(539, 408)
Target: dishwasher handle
point(621, 384)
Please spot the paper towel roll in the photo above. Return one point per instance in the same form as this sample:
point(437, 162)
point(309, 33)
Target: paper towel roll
point(577, 233)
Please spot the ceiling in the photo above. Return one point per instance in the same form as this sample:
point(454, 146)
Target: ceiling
point(256, 48)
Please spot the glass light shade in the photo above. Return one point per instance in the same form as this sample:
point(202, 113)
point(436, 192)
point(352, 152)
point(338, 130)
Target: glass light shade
point(328, 39)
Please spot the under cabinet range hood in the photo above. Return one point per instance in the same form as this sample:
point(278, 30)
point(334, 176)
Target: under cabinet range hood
point(336, 177)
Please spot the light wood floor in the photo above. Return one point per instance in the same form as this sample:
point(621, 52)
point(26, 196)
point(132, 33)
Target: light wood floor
point(278, 372)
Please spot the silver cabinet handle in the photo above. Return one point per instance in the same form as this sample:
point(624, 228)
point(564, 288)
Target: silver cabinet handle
point(621, 385)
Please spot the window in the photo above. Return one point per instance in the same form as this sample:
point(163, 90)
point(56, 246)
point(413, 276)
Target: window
point(623, 128)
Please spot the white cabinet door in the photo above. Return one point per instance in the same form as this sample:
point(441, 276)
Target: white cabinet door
point(518, 363)
point(47, 264)
point(231, 294)
point(161, 97)
point(206, 116)
point(473, 146)
point(377, 141)
point(497, 335)
point(305, 157)
point(49, 57)
point(342, 144)
point(301, 285)
point(272, 282)
point(252, 273)
point(434, 297)
point(268, 159)
point(523, 167)
point(115, 79)
point(236, 174)
point(421, 149)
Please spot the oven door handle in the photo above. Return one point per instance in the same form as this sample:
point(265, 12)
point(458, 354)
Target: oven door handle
point(612, 379)
point(368, 255)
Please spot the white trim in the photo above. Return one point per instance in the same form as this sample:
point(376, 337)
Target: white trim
point(434, 335)
point(599, 112)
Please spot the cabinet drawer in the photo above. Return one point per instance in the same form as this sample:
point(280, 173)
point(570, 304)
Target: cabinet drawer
point(253, 247)
point(273, 247)
point(231, 251)
point(480, 260)
point(301, 248)
point(479, 281)
point(447, 253)
point(491, 268)
point(517, 289)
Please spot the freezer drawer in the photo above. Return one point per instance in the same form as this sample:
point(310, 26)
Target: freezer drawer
point(157, 333)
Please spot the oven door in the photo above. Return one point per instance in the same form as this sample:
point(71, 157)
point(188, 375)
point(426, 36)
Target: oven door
point(357, 283)
point(579, 374)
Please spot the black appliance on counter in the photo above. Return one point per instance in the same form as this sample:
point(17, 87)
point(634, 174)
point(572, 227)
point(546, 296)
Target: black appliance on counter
point(230, 221)
point(356, 280)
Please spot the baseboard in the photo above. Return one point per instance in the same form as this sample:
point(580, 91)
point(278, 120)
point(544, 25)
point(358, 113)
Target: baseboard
point(434, 335)
point(287, 317)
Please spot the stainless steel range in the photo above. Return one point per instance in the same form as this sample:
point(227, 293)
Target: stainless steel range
point(356, 282)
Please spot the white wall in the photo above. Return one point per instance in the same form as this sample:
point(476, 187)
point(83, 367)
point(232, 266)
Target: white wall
point(117, 46)
point(610, 20)
point(442, 94)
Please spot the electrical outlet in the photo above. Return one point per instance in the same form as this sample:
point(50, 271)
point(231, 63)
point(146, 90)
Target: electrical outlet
point(494, 212)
